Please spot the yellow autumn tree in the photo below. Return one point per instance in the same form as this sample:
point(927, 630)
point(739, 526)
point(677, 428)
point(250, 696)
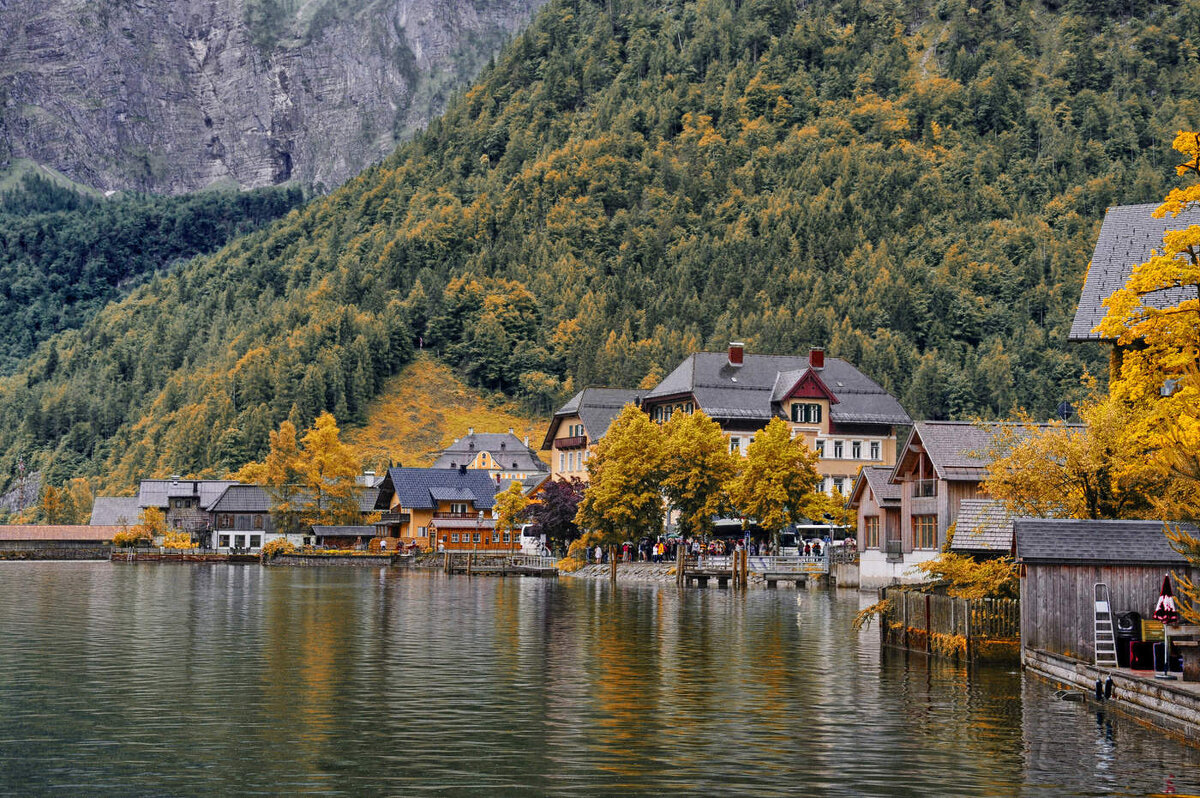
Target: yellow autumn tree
point(329, 471)
point(152, 523)
point(696, 467)
point(280, 474)
point(510, 508)
point(1058, 470)
point(778, 474)
point(623, 500)
point(1157, 362)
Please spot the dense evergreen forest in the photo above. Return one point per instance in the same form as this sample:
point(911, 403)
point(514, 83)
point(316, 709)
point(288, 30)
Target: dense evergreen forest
point(65, 255)
point(916, 185)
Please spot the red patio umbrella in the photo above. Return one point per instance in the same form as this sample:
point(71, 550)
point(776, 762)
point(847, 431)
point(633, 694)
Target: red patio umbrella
point(1165, 609)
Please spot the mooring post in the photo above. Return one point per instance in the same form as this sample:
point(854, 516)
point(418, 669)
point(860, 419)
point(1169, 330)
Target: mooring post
point(446, 563)
point(612, 562)
point(470, 562)
point(680, 565)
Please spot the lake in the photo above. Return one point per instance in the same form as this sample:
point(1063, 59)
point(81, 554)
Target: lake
point(125, 679)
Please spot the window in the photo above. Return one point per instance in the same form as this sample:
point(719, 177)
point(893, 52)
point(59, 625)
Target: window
point(223, 541)
point(735, 445)
point(506, 537)
point(871, 532)
point(856, 450)
point(562, 462)
point(454, 538)
point(476, 540)
point(422, 531)
point(458, 508)
point(820, 448)
point(255, 541)
point(838, 450)
point(840, 484)
point(690, 408)
point(258, 522)
point(239, 541)
point(924, 531)
point(803, 413)
point(874, 450)
point(924, 488)
point(571, 461)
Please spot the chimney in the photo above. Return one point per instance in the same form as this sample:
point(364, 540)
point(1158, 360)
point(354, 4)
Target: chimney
point(510, 431)
point(470, 430)
point(736, 349)
point(526, 441)
point(816, 358)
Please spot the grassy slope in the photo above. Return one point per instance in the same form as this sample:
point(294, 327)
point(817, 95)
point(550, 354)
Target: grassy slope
point(424, 408)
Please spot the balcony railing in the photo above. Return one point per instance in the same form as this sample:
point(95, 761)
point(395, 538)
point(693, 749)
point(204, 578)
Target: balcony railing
point(924, 488)
point(573, 442)
point(394, 518)
point(457, 516)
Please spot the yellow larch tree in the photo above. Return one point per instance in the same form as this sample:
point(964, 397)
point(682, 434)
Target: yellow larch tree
point(329, 471)
point(696, 466)
point(778, 474)
point(1157, 370)
point(623, 500)
point(510, 508)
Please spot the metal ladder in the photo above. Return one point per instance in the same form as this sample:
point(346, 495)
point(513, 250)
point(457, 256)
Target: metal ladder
point(1106, 642)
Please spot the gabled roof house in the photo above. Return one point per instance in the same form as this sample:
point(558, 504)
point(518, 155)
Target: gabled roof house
point(578, 426)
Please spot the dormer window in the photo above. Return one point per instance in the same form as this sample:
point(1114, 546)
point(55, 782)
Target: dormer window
point(806, 413)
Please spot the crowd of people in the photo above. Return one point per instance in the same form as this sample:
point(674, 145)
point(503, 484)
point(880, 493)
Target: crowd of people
point(667, 549)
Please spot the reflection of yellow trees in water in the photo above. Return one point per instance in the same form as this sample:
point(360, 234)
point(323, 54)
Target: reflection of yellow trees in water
point(301, 653)
point(627, 684)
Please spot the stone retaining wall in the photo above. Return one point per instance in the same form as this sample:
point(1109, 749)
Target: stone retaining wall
point(56, 553)
point(319, 560)
point(1165, 705)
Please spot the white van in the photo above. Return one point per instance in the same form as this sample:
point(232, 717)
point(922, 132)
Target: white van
point(531, 544)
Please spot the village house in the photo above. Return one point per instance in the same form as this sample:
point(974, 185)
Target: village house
point(842, 414)
point(938, 476)
point(502, 455)
point(1127, 237)
point(186, 503)
point(439, 508)
point(579, 425)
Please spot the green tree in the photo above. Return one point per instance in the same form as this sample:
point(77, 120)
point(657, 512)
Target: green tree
point(778, 474)
point(697, 467)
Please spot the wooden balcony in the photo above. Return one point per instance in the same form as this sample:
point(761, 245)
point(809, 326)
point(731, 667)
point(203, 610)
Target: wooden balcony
point(457, 516)
point(394, 518)
point(573, 442)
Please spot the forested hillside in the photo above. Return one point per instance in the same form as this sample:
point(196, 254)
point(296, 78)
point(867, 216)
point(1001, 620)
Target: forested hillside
point(64, 255)
point(914, 185)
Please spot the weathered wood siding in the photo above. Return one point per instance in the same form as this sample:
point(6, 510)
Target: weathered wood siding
point(1057, 613)
point(953, 492)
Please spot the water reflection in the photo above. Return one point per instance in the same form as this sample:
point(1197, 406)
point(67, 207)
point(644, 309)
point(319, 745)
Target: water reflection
point(150, 680)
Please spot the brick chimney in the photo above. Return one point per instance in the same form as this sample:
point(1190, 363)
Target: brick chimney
point(816, 358)
point(736, 352)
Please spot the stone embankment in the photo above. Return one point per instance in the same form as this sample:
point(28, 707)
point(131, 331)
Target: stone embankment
point(643, 572)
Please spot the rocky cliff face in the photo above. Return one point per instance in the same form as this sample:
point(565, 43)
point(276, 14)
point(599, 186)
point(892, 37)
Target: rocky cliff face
point(170, 96)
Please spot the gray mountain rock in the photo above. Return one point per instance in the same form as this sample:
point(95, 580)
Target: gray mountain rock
point(169, 96)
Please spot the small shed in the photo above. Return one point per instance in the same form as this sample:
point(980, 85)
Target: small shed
point(1062, 560)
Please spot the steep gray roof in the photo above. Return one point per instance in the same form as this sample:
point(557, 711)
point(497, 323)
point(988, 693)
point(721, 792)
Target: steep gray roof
point(158, 492)
point(957, 449)
point(1059, 540)
point(242, 499)
point(366, 499)
point(1127, 236)
point(504, 448)
point(596, 408)
point(983, 525)
point(115, 511)
point(416, 486)
point(879, 479)
point(747, 391)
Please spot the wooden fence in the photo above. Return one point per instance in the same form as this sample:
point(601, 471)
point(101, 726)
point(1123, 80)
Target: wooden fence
point(964, 629)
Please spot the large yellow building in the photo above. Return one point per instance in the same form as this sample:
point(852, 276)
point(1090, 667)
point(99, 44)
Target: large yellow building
point(579, 425)
point(842, 414)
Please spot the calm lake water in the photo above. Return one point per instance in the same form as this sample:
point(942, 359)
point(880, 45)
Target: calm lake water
point(214, 680)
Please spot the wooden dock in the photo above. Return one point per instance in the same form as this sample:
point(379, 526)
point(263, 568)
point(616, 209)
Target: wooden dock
point(735, 570)
point(484, 564)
